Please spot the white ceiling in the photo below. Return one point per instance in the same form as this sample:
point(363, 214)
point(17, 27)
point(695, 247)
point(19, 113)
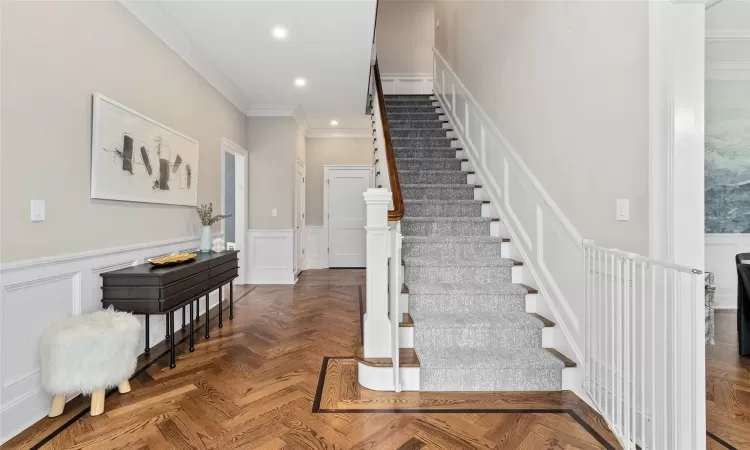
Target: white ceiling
point(230, 44)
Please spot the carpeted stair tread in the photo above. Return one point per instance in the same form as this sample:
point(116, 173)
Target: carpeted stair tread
point(425, 153)
point(448, 219)
point(421, 124)
point(474, 320)
point(416, 261)
point(466, 288)
point(500, 358)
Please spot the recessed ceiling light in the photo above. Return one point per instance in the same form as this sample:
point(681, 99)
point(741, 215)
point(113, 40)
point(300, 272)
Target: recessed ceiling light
point(300, 82)
point(334, 122)
point(279, 32)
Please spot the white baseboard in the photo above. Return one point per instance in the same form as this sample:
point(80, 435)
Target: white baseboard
point(720, 252)
point(406, 83)
point(550, 246)
point(317, 247)
point(270, 257)
point(37, 293)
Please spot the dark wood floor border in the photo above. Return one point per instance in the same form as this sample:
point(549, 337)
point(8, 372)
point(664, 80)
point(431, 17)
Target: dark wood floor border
point(721, 441)
point(361, 317)
point(145, 361)
point(321, 382)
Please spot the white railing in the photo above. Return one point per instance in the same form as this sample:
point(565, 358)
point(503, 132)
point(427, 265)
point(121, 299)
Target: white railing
point(644, 348)
point(383, 271)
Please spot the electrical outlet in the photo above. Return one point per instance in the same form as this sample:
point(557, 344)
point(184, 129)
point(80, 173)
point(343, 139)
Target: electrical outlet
point(38, 210)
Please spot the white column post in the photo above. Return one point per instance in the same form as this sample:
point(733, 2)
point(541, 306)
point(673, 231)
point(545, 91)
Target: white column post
point(377, 333)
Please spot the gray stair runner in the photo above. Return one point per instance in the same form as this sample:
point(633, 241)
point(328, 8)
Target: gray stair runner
point(471, 332)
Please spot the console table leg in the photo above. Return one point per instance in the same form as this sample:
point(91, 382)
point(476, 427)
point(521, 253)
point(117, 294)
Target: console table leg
point(192, 339)
point(172, 364)
point(221, 313)
point(198, 311)
point(166, 325)
point(231, 300)
point(148, 348)
point(208, 319)
point(183, 317)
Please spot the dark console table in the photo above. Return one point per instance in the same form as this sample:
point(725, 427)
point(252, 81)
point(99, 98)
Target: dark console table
point(147, 289)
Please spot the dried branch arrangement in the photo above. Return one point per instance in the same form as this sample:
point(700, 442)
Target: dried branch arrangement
point(205, 212)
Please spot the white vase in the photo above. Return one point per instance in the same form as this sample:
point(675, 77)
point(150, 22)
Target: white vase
point(206, 239)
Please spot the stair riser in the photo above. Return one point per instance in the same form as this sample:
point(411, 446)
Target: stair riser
point(444, 228)
point(412, 133)
point(434, 116)
point(399, 124)
point(460, 249)
point(438, 142)
point(476, 337)
point(400, 109)
point(429, 154)
point(407, 97)
point(532, 379)
point(434, 193)
point(411, 102)
point(456, 274)
point(466, 303)
point(426, 177)
point(443, 209)
point(428, 164)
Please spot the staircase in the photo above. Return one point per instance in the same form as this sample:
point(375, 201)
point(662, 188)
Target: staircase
point(471, 331)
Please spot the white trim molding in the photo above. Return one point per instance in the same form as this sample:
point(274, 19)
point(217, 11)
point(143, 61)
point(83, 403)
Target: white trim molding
point(728, 71)
point(257, 110)
point(406, 83)
point(270, 257)
point(547, 242)
point(317, 246)
point(162, 25)
point(36, 293)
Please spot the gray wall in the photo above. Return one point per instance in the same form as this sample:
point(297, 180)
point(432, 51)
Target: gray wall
point(54, 56)
point(567, 85)
point(229, 197)
point(405, 36)
point(272, 144)
point(330, 151)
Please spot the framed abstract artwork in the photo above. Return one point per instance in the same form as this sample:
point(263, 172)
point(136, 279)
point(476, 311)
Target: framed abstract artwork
point(136, 159)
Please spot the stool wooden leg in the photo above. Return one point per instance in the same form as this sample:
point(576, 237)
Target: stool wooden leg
point(124, 387)
point(58, 405)
point(97, 402)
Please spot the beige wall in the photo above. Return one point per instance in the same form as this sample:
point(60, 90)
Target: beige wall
point(54, 56)
point(405, 36)
point(272, 144)
point(567, 84)
point(330, 151)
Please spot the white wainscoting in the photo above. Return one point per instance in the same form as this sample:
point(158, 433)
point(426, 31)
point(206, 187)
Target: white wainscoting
point(37, 293)
point(270, 257)
point(317, 247)
point(406, 83)
point(550, 246)
point(720, 252)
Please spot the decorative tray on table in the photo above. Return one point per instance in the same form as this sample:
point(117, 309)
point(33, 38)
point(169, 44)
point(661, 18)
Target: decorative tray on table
point(173, 259)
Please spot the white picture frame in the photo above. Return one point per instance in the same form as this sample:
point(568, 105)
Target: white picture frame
point(137, 159)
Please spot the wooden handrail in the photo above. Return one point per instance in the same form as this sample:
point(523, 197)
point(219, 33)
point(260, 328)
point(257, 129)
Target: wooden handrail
point(397, 212)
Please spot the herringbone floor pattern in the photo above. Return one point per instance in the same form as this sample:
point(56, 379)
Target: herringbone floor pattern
point(254, 384)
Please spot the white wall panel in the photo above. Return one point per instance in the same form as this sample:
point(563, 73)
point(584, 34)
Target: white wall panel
point(271, 257)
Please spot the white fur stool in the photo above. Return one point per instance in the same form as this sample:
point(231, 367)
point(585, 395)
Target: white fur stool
point(89, 354)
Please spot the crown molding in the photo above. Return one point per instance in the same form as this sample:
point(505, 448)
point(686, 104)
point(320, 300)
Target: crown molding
point(342, 133)
point(156, 20)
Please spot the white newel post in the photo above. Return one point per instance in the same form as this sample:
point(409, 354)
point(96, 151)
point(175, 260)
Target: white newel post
point(377, 333)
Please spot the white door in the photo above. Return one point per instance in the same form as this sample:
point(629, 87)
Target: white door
point(346, 215)
point(299, 218)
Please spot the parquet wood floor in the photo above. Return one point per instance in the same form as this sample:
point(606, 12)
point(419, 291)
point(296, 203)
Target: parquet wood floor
point(281, 375)
point(727, 388)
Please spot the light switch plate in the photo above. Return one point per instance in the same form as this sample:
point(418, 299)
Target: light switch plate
point(623, 209)
point(274, 212)
point(38, 212)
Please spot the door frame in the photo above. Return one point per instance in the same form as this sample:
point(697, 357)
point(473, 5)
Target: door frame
point(297, 202)
point(240, 224)
point(326, 177)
